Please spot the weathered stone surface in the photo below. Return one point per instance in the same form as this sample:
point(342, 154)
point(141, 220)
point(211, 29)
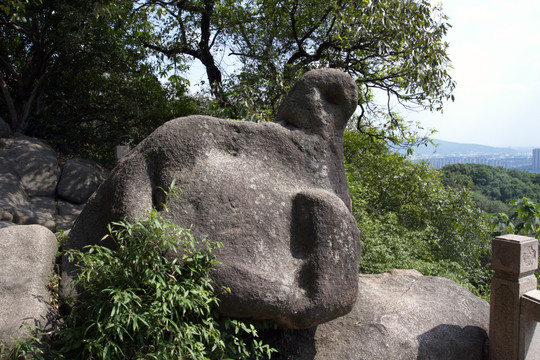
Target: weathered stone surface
point(29, 179)
point(79, 179)
point(4, 224)
point(274, 194)
point(65, 222)
point(514, 298)
point(67, 214)
point(15, 205)
point(11, 191)
point(35, 163)
point(27, 216)
point(27, 255)
point(120, 151)
point(43, 204)
point(321, 102)
point(400, 315)
point(67, 208)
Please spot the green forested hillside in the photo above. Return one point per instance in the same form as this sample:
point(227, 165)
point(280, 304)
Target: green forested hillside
point(409, 220)
point(492, 187)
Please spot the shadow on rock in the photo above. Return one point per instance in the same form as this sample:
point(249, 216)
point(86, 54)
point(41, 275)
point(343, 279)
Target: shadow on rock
point(453, 342)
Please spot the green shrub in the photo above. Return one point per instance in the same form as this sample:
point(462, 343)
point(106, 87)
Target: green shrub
point(409, 219)
point(137, 303)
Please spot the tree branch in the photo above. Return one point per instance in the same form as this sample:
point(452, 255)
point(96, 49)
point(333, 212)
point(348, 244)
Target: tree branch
point(6, 65)
point(31, 100)
point(170, 52)
point(317, 24)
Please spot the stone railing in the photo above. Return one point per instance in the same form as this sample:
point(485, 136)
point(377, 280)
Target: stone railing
point(515, 300)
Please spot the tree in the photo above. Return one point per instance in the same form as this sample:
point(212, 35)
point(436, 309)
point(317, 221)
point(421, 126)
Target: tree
point(177, 29)
point(38, 38)
point(492, 187)
point(524, 219)
point(393, 47)
point(409, 219)
point(25, 55)
point(72, 73)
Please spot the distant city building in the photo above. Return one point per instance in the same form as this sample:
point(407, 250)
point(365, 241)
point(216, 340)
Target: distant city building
point(536, 160)
point(520, 162)
point(447, 153)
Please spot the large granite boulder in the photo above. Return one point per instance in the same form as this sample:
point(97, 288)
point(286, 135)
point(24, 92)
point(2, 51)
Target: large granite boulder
point(27, 256)
point(13, 194)
point(399, 315)
point(35, 189)
point(274, 194)
point(35, 163)
point(78, 181)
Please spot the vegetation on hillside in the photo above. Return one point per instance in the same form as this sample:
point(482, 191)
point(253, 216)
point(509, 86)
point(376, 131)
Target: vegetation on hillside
point(493, 188)
point(137, 303)
point(409, 219)
point(523, 219)
point(71, 73)
point(510, 198)
point(94, 66)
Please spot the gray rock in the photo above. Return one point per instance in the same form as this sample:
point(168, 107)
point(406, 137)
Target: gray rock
point(317, 100)
point(67, 214)
point(35, 163)
point(27, 255)
point(44, 204)
point(401, 315)
point(4, 224)
point(67, 208)
point(15, 205)
point(120, 151)
point(79, 179)
point(65, 222)
point(25, 217)
point(11, 190)
point(29, 176)
point(21, 215)
point(274, 194)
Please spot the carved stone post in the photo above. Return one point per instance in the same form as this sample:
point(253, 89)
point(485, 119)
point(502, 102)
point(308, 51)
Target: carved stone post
point(529, 337)
point(514, 259)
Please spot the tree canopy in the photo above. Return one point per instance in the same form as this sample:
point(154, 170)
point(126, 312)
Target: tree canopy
point(395, 50)
point(71, 72)
point(409, 219)
point(492, 187)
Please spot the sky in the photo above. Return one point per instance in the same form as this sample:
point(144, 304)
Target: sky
point(495, 52)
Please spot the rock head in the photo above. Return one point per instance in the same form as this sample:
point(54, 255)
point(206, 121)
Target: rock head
point(274, 194)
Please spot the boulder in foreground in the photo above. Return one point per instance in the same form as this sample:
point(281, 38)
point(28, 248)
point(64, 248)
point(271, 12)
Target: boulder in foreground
point(400, 315)
point(275, 194)
point(27, 256)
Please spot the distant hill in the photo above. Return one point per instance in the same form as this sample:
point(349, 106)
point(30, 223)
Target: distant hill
point(453, 148)
point(492, 187)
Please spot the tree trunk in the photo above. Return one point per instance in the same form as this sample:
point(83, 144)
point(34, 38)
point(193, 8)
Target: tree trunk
point(9, 101)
